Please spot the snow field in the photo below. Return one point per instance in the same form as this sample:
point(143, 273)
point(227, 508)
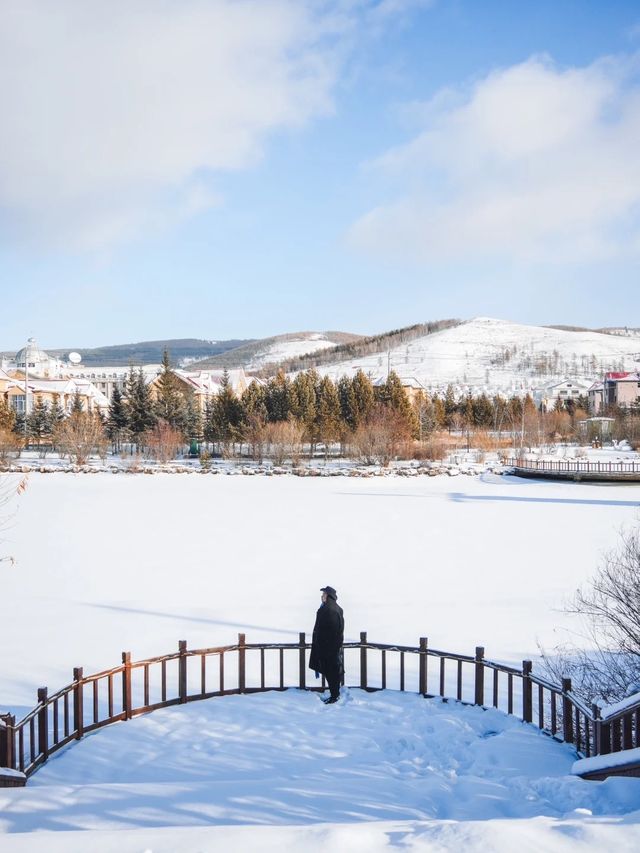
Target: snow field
point(106, 564)
point(283, 759)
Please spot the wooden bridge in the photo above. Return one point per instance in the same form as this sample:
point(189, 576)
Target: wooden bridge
point(575, 469)
point(132, 688)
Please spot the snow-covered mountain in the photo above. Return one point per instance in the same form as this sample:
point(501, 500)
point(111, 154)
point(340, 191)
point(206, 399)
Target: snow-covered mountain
point(269, 351)
point(498, 356)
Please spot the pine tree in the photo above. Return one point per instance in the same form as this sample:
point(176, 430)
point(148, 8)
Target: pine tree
point(139, 405)
point(192, 421)
point(38, 423)
point(364, 398)
point(56, 413)
point(278, 397)
point(76, 404)
point(328, 420)
point(7, 415)
point(117, 420)
point(450, 407)
point(226, 412)
point(253, 402)
point(303, 400)
point(170, 405)
point(393, 395)
point(348, 403)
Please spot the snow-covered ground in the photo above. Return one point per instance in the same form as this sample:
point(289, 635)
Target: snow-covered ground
point(290, 346)
point(105, 564)
point(284, 771)
point(498, 357)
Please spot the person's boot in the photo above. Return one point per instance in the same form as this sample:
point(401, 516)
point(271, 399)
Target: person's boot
point(330, 700)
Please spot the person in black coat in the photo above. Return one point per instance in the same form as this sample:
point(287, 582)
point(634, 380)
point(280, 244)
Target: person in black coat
point(326, 645)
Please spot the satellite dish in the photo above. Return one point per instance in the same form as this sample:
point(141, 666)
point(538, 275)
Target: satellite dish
point(75, 357)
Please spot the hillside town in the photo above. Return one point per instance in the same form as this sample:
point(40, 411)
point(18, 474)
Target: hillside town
point(165, 411)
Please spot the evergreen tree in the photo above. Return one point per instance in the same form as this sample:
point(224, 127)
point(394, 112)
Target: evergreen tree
point(139, 405)
point(482, 411)
point(117, 420)
point(364, 398)
point(393, 395)
point(304, 400)
point(328, 420)
point(7, 415)
point(76, 404)
point(450, 407)
point(56, 413)
point(253, 403)
point(348, 403)
point(192, 421)
point(226, 412)
point(170, 405)
point(278, 397)
point(38, 423)
point(439, 414)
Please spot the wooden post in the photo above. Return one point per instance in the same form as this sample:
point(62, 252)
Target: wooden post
point(527, 692)
point(126, 685)
point(241, 663)
point(302, 675)
point(567, 712)
point(182, 671)
point(363, 660)
point(7, 752)
point(423, 666)
point(597, 729)
point(78, 702)
point(478, 697)
point(43, 723)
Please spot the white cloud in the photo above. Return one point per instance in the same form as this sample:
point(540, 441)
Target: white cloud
point(116, 115)
point(532, 163)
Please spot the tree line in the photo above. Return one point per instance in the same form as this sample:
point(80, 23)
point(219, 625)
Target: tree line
point(282, 415)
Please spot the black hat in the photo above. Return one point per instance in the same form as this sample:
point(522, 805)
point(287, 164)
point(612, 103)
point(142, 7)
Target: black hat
point(330, 591)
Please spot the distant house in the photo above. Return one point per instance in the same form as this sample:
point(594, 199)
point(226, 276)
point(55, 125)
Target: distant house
point(595, 395)
point(203, 384)
point(50, 391)
point(569, 389)
point(412, 386)
point(622, 389)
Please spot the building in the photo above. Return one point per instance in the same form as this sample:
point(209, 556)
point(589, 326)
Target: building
point(569, 389)
point(204, 384)
point(621, 389)
point(595, 395)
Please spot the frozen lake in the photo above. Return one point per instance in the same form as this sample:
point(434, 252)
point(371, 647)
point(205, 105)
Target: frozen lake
point(109, 563)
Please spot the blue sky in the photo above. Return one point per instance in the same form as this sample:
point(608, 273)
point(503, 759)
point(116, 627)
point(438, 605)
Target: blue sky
point(223, 169)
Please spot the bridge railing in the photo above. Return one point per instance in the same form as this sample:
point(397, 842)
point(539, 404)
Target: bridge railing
point(571, 466)
point(137, 687)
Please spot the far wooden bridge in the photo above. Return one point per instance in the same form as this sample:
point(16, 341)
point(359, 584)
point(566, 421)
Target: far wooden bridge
point(131, 688)
point(575, 469)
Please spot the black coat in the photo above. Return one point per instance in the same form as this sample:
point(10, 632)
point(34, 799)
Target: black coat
point(328, 636)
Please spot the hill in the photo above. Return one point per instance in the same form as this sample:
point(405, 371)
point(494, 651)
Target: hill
point(258, 355)
point(496, 356)
point(181, 350)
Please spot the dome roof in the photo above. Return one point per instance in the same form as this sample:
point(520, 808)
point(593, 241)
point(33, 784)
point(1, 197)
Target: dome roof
point(31, 354)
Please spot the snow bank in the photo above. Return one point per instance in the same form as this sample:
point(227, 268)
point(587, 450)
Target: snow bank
point(423, 767)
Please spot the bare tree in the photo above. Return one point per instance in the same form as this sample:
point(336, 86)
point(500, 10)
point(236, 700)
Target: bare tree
point(284, 439)
point(8, 491)
point(80, 435)
point(609, 607)
point(10, 445)
point(164, 441)
point(380, 437)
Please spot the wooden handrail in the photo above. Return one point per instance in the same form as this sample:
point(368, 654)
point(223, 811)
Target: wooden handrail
point(111, 695)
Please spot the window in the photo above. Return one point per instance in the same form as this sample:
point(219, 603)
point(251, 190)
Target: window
point(18, 403)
